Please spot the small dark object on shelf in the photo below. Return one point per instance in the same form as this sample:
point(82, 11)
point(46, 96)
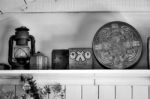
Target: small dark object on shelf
point(39, 61)
point(60, 59)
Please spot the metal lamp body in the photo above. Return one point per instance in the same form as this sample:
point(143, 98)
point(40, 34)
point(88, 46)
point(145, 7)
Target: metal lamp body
point(19, 50)
point(38, 61)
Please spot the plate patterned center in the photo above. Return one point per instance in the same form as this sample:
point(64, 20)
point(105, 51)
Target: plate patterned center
point(117, 45)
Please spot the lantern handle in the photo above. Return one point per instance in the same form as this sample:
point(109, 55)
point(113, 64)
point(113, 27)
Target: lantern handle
point(10, 50)
point(32, 44)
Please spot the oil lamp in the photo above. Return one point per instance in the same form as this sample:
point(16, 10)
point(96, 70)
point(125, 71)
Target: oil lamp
point(19, 48)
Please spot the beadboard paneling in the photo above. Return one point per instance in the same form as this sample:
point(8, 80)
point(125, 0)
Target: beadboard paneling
point(123, 92)
point(140, 92)
point(7, 91)
point(19, 91)
point(83, 90)
point(89, 92)
point(73, 92)
point(107, 92)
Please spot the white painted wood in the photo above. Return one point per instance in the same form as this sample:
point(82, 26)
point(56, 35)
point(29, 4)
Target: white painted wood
point(74, 5)
point(90, 92)
point(50, 78)
point(121, 73)
point(65, 79)
point(9, 81)
point(80, 77)
point(98, 73)
point(106, 92)
point(140, 92)
point(66, 82)
point(123, 92)
point(123, 81)
point(148, 91)
point(73, 92)
point(123, 77)
point(11, 5)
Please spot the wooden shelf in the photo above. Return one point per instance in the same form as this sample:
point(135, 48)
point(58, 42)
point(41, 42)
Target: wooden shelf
point(81, 77)
point(126, 72)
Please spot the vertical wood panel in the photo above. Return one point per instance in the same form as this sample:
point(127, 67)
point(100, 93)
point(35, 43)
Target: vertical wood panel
point(73, 92)
point(7, 91)
point(148, 92)
point(19, 91)
point(140, 92)
point(123, 92)
point(90, 92)
point(106, 92)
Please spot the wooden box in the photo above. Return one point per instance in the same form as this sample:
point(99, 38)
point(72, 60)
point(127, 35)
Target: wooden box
point(80, 58)
point(60, 59)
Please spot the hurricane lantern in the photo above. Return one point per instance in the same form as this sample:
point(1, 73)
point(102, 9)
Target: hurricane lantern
point(21, 47)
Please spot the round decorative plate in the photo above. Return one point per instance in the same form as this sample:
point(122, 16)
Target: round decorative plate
point(117, 45)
